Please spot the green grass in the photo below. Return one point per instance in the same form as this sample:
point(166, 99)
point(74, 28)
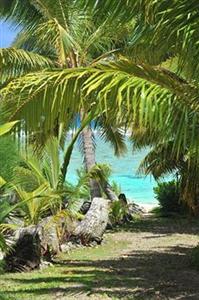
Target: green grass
point(72, 272)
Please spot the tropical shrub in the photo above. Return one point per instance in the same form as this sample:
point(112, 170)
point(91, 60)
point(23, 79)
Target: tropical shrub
point(39, 188)
point(168, 196)
point(118, 212)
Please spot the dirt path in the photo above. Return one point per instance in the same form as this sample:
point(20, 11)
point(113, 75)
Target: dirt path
point(151, 260)
point(155, 264)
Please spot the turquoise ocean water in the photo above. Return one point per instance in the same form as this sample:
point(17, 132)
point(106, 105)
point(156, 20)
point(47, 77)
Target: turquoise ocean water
point(137, 188)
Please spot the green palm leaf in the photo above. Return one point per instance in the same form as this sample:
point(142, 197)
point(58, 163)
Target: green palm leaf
point(42, 99)
point(17, 62)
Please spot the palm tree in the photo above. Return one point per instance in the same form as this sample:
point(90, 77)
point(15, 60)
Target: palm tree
point(137, 90)
point(67, 35)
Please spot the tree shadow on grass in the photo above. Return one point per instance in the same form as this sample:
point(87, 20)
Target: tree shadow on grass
point(166, 226)
point(138, 275)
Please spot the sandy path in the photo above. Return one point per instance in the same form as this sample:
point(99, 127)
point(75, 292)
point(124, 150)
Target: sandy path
point(155, 264)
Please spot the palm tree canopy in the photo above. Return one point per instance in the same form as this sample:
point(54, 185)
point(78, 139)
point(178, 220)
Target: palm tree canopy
point(57, 36)
point(137, 91)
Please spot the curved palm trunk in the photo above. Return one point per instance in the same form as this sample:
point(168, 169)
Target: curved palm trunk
point(92, 227)
point(111, 195)
point(89, 159)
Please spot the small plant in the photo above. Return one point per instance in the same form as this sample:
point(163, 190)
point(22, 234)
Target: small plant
point(168, 196)
point(118, 212)
point(116, 188)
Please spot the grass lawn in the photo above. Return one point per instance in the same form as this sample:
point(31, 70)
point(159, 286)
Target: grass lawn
point(149, 260)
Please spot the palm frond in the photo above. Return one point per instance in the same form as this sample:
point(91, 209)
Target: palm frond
point(175, 22)
point(48, 38)
point(17, 62)
point(21, 12)
point(43, 99)
point(50, 9)
point(144, 96)
point(111, 133)
point(160, 161)
point(34, 204)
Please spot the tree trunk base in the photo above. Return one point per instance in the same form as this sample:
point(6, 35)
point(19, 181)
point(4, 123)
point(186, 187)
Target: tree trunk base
point(92, 227)
point(25, 254)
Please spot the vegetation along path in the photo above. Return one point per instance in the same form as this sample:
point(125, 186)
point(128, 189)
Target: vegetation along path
point(151, 259)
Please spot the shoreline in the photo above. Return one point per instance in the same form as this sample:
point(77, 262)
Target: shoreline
point(147, 207)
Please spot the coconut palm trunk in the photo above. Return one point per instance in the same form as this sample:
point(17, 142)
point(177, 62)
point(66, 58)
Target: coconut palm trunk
point(88, 145)
point(89, 160)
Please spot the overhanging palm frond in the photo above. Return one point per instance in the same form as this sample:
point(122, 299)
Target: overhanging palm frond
point(48, 38)
point(43, 99)
point(146, 96)
point(160, 161)
point(17, 62)
point(154, 74)
point(134, 94)
point(22, 12)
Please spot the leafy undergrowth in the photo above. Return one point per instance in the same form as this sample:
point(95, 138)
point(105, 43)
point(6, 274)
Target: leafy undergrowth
point(151, 259)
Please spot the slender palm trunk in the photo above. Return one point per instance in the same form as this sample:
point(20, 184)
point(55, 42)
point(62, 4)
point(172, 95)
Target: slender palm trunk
point(88, 146)
point(89, 160)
